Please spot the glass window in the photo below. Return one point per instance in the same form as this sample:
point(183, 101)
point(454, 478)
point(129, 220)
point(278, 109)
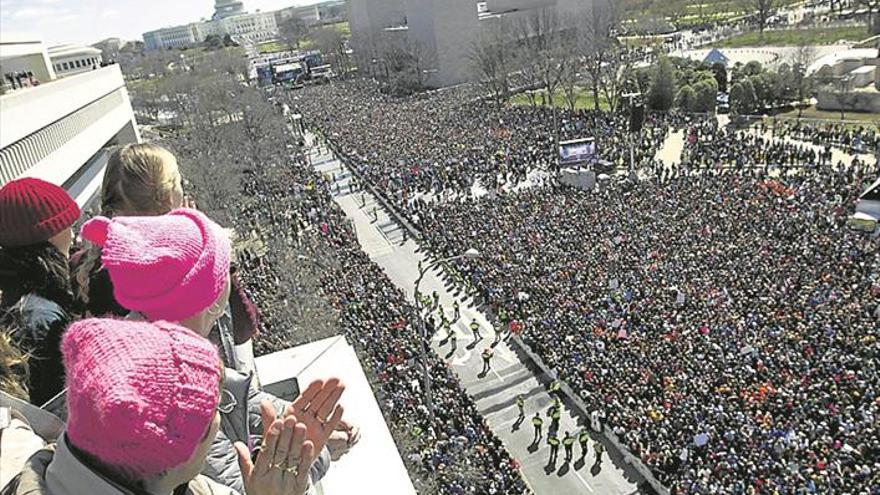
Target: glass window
point(65, 66)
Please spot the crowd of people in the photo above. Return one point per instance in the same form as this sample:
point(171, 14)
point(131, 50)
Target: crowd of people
point(853, 138)
point(440, 145)
point(720, 315)
point(709, 145)
point(288, 211)
point(151, 259)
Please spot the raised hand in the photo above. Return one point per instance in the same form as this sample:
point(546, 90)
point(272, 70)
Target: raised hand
point(317, 408)
point(282, 465)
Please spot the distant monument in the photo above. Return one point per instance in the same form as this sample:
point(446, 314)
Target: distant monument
point(227, 8)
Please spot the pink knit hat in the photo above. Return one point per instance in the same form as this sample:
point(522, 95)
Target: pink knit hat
point(140, 395)
point(168, 267)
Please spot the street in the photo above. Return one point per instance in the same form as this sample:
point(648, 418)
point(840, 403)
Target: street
point(511, 374)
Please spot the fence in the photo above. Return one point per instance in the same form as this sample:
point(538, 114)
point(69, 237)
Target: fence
point(573, 398)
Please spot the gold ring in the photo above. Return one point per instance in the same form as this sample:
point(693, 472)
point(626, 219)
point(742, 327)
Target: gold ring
point(293, 470)
point(277, 466)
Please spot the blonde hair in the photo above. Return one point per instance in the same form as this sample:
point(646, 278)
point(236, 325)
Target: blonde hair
point(13, 367)
point(139, 180)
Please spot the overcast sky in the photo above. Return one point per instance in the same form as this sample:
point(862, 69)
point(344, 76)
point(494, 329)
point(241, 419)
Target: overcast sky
point(88, 21)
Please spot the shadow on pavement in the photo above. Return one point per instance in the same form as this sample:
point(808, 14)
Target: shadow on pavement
point(564, 469)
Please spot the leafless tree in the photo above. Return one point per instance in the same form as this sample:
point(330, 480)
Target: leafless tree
point(332, 44)
point(799, 61)
point(604, 59)
point(873, 14)
point(491, 58)
point(544, 49)
point(762, 10)
point(293, 31)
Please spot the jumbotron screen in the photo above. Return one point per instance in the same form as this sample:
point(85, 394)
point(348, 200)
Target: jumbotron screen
point(577, 151)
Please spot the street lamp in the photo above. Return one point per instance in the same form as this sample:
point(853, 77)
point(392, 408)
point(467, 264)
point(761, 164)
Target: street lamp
point(423, 331)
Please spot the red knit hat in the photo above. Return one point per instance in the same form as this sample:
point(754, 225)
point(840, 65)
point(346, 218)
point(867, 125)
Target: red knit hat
point(33, 211)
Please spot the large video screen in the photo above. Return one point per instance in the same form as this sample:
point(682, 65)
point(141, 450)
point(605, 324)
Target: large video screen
point(579, 151)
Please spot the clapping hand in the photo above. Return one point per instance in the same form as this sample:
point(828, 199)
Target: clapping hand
point(285, 457)
point(317, 409)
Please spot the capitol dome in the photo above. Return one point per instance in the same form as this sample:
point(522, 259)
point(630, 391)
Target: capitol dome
point(227, 8)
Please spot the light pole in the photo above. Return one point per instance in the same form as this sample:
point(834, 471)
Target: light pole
point(632, 98)
point(423, 332)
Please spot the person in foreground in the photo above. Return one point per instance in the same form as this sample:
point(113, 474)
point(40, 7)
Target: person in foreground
point(36, 299)
point(175, 267)
point(144, 401)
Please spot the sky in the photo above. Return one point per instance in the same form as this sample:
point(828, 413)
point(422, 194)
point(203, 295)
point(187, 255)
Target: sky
point(88, 21)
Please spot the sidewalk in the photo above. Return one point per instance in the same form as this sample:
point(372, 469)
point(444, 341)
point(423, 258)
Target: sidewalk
point(510, 375)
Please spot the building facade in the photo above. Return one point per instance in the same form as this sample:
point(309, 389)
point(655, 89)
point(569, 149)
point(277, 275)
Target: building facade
point(445, 30)
point(62, 129)
point(72, 59)
point(229, 19)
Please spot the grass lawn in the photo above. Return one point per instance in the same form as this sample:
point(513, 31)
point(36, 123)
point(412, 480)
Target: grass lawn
point(272, 47)
point(584, 99)
point(796, 37)
point(813, 113)
point(144, 84)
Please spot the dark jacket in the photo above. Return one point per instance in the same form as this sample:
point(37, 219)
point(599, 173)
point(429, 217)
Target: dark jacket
point(37, 325)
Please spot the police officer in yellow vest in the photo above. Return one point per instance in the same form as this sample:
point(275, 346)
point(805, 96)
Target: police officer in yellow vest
point(568, 443)
point(584, 441)
point(555, 415)
point(538, 423)
point(553, 440)
point(475, 328)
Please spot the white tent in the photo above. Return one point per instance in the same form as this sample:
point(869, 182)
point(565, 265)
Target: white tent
point(869, 201)
point(867, 216)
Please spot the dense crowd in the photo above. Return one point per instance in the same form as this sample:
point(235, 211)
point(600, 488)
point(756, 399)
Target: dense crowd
point(289, 211)
point(853, 138)
point(708, 145)
point(440, 145)
point(139, 331)
point(724, 319)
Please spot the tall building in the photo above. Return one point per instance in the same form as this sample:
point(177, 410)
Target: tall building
point(60, 129)
point(444, 30)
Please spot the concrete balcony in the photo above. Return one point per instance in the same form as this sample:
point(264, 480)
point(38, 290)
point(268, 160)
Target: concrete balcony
point(58, 131)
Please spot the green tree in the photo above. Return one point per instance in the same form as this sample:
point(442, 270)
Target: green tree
point(719, 71)
point(742, 98)
point(686, 98)
point(662, 93)
point(706, 96)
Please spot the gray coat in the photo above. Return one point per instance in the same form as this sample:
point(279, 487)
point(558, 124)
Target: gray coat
point(244, 423)
point(57, 471)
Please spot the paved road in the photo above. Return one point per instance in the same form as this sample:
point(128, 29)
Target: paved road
point(511, 374)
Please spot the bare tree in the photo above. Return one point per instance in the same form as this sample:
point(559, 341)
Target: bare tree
point(406, 62)
point(491, 58)
point(331, 42)
point(543, 43)
point(605, 61)
point(293, 30)
point(762, 11)
point(799, 61)
point(873, 14)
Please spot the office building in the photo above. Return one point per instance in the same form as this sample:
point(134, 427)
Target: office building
point(446, 30)
point(60, 129)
